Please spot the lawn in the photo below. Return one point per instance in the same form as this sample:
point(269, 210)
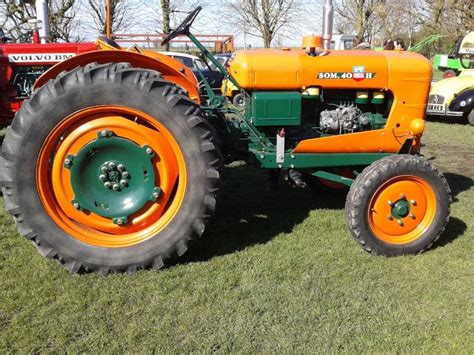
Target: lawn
point(274, 272)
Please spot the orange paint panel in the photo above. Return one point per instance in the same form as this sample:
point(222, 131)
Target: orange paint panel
point(171, 69)
point(406, 75)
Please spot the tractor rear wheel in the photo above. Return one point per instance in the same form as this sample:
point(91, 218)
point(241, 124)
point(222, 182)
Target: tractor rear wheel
point(110, 168)
point(398, 205)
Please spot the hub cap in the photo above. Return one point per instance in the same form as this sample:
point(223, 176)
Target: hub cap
point(112, 177)
point(402, 209)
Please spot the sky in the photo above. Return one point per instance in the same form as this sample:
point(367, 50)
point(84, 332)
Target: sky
point(213, 19)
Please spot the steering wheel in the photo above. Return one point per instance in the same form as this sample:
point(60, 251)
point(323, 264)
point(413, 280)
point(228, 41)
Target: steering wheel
point(183, 28)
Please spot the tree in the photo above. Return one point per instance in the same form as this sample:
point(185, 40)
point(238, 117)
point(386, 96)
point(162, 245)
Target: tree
point(360, 16)
point(166, 14)
point(449, 18)
point(61, 19)
point(120, 15)
point(263, 18)
point(399, 19)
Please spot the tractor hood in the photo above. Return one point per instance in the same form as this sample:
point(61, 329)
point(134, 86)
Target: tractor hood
point(270, 69)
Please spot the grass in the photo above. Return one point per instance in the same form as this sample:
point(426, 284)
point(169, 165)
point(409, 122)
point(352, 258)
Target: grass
point(273, 273)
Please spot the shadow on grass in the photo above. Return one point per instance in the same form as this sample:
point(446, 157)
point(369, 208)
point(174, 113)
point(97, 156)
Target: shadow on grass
point(248, 214)
point(454, 229)
point(458, 183)
point(449, 120)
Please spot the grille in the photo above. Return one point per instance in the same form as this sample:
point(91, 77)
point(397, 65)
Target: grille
point(436, 99)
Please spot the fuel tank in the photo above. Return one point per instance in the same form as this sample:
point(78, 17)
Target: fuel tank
point(270, 69)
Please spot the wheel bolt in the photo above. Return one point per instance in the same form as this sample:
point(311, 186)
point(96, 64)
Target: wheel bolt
point(403, 197)
point(111, 165)
point(156, 194)
point(390, 203)
point(102, 177)
point(149, 151)
point(107, 185)
point(400, 222)
point(120, 220)
point(413, 202)
point(120, 167)
point(116, 187)
point(76, 205)
point(412, 216)
point(389, 217)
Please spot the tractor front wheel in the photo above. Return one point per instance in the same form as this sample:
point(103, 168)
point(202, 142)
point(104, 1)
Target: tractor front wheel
point(398, 205)
point(110, 168)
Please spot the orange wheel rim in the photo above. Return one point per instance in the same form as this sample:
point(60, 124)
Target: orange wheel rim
point(82, 127)
point(402, 209)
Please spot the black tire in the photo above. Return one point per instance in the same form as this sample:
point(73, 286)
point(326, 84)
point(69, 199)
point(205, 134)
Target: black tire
point(239, 100)
point(449, 74)
point(368, 183)
point(470, 118)
point(109, 84)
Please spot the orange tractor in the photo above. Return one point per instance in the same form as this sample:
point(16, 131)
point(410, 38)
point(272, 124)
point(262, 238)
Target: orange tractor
point(115, 163)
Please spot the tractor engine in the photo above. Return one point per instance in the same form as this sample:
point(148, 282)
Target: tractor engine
point(332, 92)
point(341, 120)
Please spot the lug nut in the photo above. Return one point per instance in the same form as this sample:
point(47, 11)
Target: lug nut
point(389, 217)
point(125, 174)
point(102, 177)
point(413, 202)
point(400, 222)
point(116, 187)
point(403, 197)
point(149, 151)
point(76, 205)
point(120, 167)
point(104, 169)
point(390, 203)
point(111, 165)
point(412, 216)
point(107, 185)
point(123, 183)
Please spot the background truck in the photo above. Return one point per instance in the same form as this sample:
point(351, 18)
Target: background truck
point(22, 63)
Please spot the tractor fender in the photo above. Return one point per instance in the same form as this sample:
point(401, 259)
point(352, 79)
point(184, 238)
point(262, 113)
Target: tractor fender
point(171, 69)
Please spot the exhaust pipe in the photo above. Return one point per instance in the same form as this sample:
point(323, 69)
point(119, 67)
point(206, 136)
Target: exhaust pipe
point(328, 16)
point(42, 15)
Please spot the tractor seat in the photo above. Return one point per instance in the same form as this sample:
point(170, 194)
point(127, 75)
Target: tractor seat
point(109, 42)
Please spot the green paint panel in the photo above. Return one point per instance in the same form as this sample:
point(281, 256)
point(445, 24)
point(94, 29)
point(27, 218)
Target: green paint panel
point(112, 177)
point(276, 108)
point(322, 160)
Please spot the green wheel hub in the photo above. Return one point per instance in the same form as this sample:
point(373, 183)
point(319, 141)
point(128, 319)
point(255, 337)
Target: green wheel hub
point(401, 209)
point(112, 177)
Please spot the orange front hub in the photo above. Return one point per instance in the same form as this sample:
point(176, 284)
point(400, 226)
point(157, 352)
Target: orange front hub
point(402, 209)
